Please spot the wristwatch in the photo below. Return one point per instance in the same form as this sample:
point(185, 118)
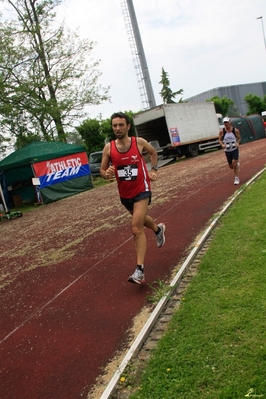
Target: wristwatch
point(154, 168)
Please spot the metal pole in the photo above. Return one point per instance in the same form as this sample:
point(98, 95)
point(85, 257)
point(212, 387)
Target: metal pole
point(261, 18)
point(3, 198)
point(141, 54)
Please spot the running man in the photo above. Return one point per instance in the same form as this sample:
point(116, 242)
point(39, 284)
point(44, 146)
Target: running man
point(230, 138)
point(133, 179)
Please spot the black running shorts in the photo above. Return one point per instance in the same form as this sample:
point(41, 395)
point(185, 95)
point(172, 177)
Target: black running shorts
point(129, 202)
point(232, 155)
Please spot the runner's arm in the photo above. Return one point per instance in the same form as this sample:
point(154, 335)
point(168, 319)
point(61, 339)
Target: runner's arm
point(106, 171)
point(238, 136)
point(221, 138)
point(143, 145)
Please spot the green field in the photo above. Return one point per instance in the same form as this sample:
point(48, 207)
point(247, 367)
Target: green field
point(215, 345)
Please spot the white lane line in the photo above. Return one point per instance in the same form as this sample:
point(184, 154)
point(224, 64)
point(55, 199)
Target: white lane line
point(156, 312)
point(39, 310)
point(179, 274)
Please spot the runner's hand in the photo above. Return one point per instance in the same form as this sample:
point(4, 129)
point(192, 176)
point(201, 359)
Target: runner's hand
point(153, 175)
point(110, 172)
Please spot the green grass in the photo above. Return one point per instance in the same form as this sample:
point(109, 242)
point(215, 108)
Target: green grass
point(159, 289)
point(215, 346)
point(24, 208)
point(100, 181)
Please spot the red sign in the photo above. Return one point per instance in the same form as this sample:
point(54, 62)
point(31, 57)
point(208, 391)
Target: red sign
point(57, 170)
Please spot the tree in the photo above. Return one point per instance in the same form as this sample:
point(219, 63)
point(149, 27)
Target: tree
point(4, 144)
point(221, 104)
point(255, 103)
point(90, 131)
point(45, 82)
point(233, 110)
point(166, 93)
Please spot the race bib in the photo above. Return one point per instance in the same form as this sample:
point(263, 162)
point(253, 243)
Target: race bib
point(229, 146)
point(127, 172)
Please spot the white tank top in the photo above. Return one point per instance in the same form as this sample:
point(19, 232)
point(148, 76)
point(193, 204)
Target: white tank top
point(230, 141)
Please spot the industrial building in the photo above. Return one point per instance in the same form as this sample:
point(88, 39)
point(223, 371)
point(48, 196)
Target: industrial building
point(236, 93)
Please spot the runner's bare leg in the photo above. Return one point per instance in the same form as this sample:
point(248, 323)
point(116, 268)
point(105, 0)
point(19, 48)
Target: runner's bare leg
point(138, 221)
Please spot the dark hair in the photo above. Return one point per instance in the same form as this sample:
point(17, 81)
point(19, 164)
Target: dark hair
point(120, 115)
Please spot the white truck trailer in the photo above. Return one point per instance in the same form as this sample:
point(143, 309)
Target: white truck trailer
point(179, 129)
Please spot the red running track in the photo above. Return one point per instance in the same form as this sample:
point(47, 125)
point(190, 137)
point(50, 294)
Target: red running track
point(66, 307)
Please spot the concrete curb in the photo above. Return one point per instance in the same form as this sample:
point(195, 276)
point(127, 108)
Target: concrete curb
point(160, 306)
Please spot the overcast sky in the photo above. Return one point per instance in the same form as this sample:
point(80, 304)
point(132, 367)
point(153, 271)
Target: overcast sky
point(202, 44)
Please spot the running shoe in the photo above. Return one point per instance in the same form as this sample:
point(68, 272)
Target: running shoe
point(160, 237)
point(137, 277)
point(237, 181)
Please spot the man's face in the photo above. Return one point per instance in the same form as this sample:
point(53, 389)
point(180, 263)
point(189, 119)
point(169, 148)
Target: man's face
point(120, 127)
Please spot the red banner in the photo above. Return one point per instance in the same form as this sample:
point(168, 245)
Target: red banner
point(60, 169)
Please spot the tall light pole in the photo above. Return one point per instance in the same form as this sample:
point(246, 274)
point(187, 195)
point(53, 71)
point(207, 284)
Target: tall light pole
point(140, 62)
point(263, 31)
